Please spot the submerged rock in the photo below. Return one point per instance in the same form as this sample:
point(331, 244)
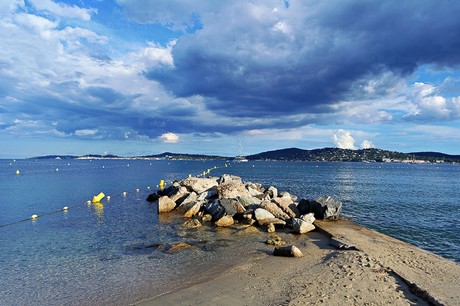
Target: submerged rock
point(275, 240)
point(224, 221)
point(193, 223)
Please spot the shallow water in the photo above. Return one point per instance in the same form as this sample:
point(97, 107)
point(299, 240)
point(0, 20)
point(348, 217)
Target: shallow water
point(116, 253)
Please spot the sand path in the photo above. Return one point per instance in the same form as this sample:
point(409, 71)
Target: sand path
point(383, 271)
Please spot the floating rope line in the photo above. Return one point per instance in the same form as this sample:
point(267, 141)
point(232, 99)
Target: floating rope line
point(123, 194)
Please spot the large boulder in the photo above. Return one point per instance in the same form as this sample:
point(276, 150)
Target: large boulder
point(193, 209)
point(310, 218)
point(199, 185)
point(232, 206)
point(287, 205)
point(165, 204)
point(272, 192)
point(248, 201)
point(216, 210)
point(208, 194)
point(232, 190)
point(261, 214)
point(227, 178)
point(300, 226)
point(274, 209)
point(324, 207)
point(180, 195)
point(170, 190)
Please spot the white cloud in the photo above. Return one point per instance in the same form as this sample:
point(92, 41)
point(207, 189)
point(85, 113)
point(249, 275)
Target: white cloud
point(169, 138)
point(427, 103)
point(85, 132)
point(9, 6)
point(344, 140)
point(366, 144)
point(63, 10)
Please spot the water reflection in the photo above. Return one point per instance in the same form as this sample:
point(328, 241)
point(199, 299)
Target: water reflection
point(99, 212)
point(346, 182)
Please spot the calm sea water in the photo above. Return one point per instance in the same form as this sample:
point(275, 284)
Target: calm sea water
point(115, 253)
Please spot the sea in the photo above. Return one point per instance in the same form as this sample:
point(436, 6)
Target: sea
point(120, 251)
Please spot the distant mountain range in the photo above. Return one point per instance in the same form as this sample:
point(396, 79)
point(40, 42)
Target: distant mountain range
point(295, 154)
point(336, 154)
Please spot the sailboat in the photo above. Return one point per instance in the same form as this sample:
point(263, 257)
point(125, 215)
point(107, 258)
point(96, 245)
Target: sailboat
point(240, 158)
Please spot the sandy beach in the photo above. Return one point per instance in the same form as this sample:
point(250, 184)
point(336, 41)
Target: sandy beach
point(378, 270)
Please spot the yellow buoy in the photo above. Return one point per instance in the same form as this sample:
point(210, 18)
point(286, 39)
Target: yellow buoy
point(98, 198)
point(162, 184)
point(17, 172)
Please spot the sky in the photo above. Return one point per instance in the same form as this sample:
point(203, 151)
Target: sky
point(139, 77)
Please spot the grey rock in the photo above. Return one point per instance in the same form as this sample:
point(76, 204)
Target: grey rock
point(227, 178)
point(288, 251)
point(193, 210)
point(287, 205)
point(274, 209)
point(272, 192)
point(199, 185)
point(215, 210)
point(310, 218)
point(231, 206)
point(208, 194)
point(300, 226)
point(261, 214)
point(324, 207)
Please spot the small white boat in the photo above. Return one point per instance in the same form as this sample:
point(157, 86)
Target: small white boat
point(240, 158)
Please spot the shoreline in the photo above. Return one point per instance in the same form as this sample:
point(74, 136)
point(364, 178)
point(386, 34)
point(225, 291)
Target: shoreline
point(379, 271)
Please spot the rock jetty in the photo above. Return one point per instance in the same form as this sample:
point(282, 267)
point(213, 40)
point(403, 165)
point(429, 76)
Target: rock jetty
point(227, 200)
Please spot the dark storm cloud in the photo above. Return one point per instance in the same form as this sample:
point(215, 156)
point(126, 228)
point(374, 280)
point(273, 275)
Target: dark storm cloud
point(245, 67)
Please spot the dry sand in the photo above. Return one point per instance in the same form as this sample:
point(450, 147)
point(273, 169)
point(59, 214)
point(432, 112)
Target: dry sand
point(382, 271)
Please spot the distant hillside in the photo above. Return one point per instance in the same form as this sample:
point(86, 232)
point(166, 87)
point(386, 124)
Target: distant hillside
point(55, 157)
point(293, 154)
point(169, 155)
point(336, 154)
point(436, 156)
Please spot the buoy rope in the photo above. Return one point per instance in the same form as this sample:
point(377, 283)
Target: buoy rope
point(122, 195)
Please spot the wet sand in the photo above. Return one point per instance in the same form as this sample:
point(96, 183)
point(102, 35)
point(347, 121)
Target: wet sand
point(380, 271)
